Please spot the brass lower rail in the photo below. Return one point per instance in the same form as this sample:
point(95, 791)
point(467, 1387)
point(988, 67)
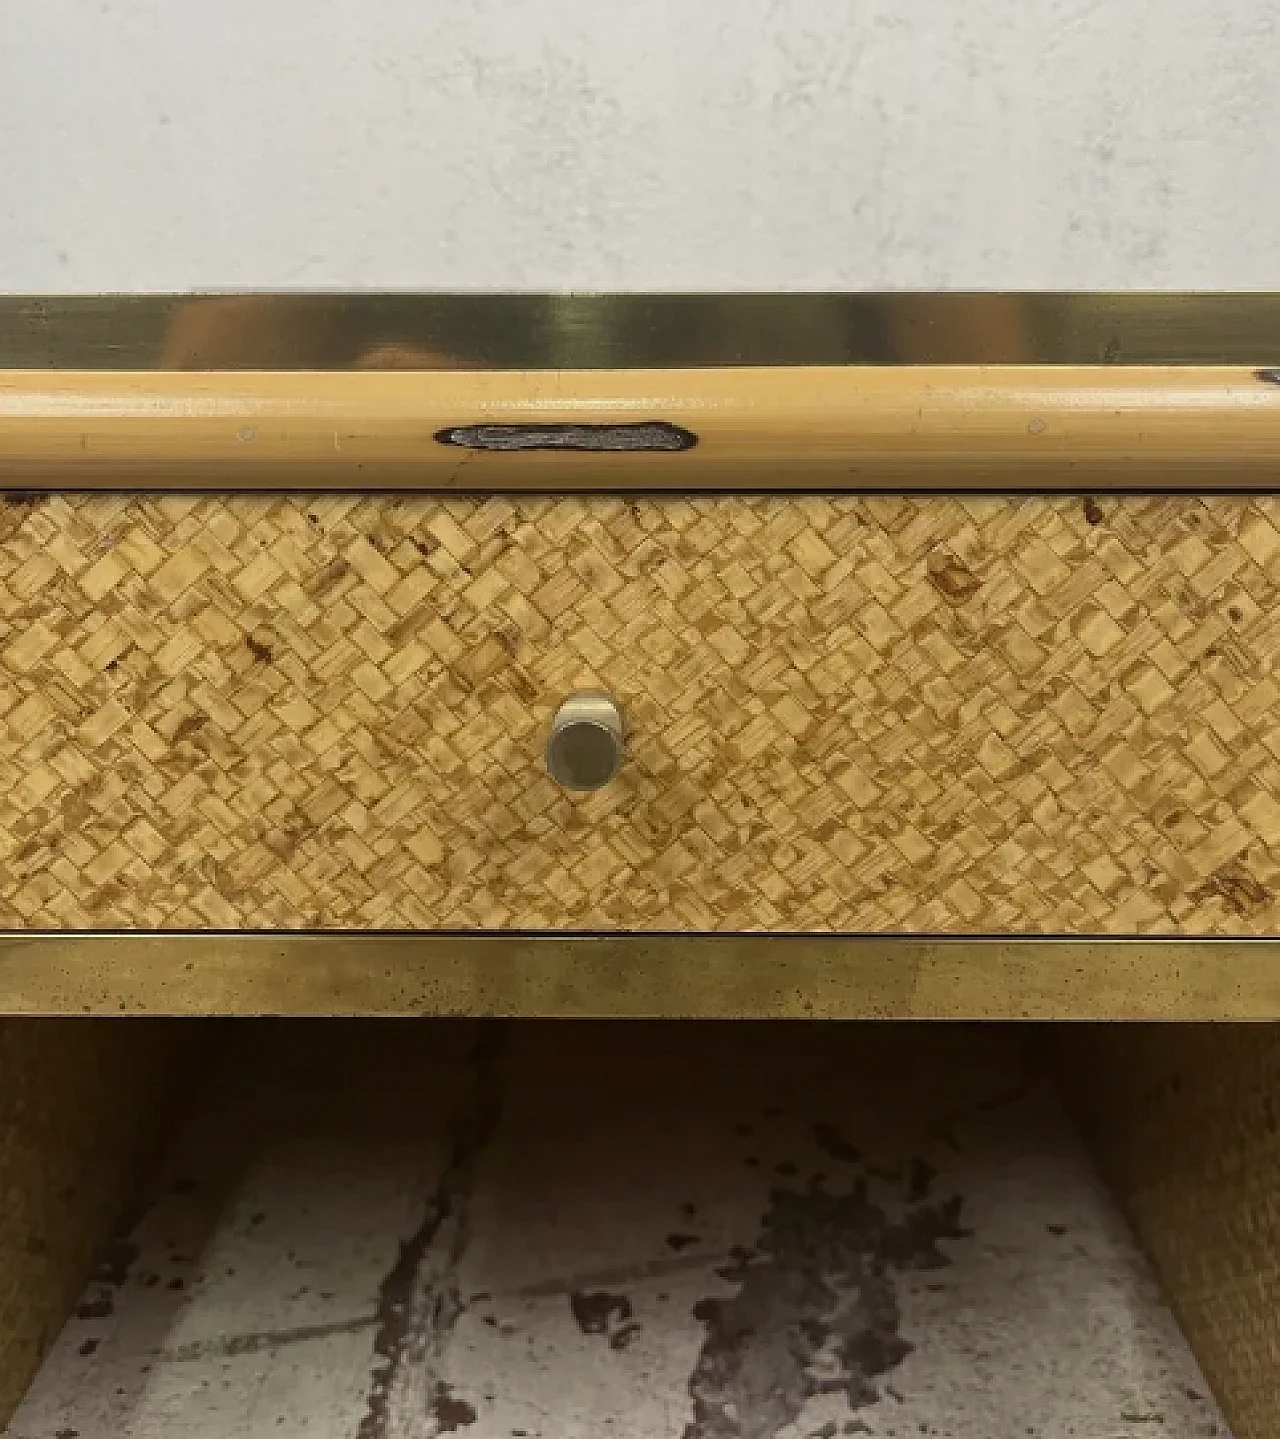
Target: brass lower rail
point(733, 976)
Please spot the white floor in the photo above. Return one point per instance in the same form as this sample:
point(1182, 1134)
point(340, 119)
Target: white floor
point(555, 1231)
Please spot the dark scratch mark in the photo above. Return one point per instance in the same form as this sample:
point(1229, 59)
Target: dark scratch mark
point(114, 1262)
point(943, 1129)
point(99, 1307)
point(188, 726)
point(606, 1314)
point(450, 1413)
point(623, 1335)
point(228, 1346)
point(619, 1274)
point(1093, 512)
point(261, 652)
point(644, 435)
point(459, 467)
point(920, 1180)
point(1267, 377)
point(829, 1139)
point(681, 1241)
point(952, 579)
point(598, 1312)
point(1238, 890)
point(397, 1324)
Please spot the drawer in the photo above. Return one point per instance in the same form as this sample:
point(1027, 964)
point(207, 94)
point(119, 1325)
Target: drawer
point(948, 714)
point(933, 639)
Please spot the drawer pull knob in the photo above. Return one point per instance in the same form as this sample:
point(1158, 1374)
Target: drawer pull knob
point(585, 747)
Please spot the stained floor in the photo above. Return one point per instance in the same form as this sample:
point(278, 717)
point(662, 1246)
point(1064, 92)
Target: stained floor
point(555, 1231)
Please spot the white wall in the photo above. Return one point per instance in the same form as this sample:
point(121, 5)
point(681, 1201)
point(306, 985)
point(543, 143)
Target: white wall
point(457, 144)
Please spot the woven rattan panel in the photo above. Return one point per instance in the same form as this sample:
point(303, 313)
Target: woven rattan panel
point(83, 1106)
point(1183, 1120)
point(987, 714)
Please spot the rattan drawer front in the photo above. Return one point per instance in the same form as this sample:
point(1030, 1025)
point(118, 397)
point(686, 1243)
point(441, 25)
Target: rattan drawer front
point(988, 714)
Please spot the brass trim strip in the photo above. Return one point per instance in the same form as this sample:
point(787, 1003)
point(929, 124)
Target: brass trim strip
point(736, 976)
point(292, 331)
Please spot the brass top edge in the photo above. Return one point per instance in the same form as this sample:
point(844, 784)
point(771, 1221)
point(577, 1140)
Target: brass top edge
point(296, 331)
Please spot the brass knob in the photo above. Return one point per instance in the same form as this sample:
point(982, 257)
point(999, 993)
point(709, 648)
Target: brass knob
point(585, 747)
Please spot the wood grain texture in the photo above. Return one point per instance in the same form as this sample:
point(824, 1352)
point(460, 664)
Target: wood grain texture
point(84, 1104)
point(934, 714)
point(936, 427)
point(1183, 1119)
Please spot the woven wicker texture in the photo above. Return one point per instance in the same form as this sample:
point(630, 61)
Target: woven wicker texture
point(981, 714)
point(84, 1104)
point(1183, 1118)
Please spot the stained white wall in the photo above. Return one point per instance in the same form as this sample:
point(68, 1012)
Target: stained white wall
point(155, 144)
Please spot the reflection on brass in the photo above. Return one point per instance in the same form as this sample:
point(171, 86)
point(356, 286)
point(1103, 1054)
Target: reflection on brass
point(726, 976)
point(415, 332)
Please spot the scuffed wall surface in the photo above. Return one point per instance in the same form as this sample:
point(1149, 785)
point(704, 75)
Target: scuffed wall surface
point(776, 144)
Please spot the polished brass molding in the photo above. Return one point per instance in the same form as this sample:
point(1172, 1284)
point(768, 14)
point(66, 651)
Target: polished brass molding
point(297, 331)
point(634, 976)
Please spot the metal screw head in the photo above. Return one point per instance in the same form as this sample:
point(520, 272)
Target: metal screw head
point(585, 746)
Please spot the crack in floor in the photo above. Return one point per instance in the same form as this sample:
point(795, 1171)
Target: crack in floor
point(415, 1314)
